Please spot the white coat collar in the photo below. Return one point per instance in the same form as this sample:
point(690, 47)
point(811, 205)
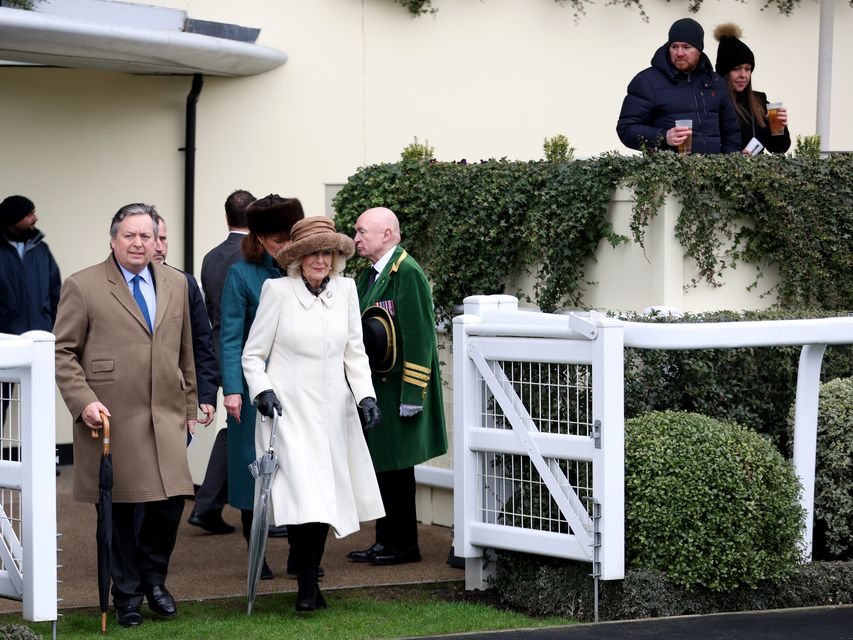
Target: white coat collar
point(306, 298)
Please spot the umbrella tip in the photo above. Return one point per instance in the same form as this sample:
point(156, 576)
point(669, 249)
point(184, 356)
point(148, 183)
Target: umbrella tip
point(103, 622)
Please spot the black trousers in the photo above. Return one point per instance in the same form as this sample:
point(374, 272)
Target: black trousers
point(307, 545)
point(144, 536)
point(213, 492)
point(398, 530)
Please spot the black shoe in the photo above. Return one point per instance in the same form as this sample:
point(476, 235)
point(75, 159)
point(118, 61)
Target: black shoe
point(266, 572)
point(319, 600)
point(128, 616)
point(394, 556)
point(161, 602)
point(277, 532)
point(367, 554)
point(306, 595)
point(210, 523)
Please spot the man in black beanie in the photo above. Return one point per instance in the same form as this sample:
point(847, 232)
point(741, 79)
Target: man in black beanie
point(29, 277)
point(680, 85)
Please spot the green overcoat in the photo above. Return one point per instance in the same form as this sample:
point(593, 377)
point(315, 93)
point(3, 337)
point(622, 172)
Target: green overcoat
point(402, 288)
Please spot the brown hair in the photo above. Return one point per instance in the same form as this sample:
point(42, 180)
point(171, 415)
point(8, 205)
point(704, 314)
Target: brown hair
point(753, 104)
point(252, 248)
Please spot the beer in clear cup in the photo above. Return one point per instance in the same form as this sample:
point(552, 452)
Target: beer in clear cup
point(776, 127)
point(687, 145)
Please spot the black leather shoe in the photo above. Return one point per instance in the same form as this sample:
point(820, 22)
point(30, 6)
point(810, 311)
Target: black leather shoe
point(277, 532)
point(367, 554)
point(393, 556)
point(128, 616)
point(210, 523)
point(161, 602)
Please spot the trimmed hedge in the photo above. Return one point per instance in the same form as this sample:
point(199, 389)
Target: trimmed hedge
point(551, 587)
point(711, 503)
point(752, 386)
point(833, 500)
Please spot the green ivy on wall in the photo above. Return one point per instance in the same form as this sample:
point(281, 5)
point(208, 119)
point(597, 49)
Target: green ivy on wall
point(475, 226)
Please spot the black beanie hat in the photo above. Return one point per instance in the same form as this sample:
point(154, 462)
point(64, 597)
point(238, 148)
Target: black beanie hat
point(14, 209)
point(689, 31)
point(731, 52)
point(273, 214)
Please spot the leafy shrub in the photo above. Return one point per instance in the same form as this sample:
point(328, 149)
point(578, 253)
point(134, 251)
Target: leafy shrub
point(417, 152)
point(710, 503)
point(557, 149)
point(751, 386)
point(833, 499)
point(17, 632)
point(552, 587)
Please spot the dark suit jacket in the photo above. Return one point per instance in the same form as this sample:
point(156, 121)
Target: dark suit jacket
point(214, 268)
point(204, 355)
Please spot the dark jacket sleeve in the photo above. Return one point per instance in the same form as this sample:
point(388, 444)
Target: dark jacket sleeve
point(634, 127)
point(206, 371)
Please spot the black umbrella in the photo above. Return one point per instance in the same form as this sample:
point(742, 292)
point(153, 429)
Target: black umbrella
point(105, 521)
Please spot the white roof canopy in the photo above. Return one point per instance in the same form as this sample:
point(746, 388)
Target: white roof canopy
point(129, 44)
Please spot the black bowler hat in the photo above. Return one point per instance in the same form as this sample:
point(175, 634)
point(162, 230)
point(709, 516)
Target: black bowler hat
point(380, 339)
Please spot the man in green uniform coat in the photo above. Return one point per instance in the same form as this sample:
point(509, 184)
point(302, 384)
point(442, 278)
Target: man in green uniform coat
point(408, 384)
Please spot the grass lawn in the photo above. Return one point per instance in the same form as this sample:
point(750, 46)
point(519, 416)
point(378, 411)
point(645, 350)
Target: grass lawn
point(376, 612)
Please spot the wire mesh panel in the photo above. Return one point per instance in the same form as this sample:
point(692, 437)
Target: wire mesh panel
point(558, 398)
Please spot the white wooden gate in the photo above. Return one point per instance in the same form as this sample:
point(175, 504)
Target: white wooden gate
point(538, 436)
point(28, 550)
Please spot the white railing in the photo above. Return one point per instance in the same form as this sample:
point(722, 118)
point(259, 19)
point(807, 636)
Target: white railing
point(28, 549)
point(538, 436)
point(813, 335)
point(528, 436)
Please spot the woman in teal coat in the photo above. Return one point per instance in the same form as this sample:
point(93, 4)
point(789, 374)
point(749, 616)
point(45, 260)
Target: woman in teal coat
point(269, 220)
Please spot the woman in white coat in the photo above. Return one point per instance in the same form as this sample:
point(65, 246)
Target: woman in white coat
point(305, 359)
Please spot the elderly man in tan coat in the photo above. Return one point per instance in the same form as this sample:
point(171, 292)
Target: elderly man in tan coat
point(124, 349)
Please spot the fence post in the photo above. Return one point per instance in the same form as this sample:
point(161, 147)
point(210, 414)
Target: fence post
point(608, 398)
point(38, 484)
point(805, 433)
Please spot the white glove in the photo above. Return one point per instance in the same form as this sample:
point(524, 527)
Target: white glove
point(409, 410)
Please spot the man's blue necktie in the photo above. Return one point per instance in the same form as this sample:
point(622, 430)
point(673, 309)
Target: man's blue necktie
point(140, 300)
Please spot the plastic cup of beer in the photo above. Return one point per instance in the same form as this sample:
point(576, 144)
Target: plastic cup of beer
point(687, 145)
point(776, 127)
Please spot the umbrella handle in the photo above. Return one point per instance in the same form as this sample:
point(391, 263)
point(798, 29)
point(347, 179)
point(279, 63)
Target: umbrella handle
point(106, 429)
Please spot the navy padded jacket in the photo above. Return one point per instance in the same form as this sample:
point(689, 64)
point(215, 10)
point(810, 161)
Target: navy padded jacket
point(661, 94)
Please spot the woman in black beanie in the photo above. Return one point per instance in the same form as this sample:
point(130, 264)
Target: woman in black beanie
point(735, 63)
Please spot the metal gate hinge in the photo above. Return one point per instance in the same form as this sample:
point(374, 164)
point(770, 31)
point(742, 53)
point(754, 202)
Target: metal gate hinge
point(595, 433)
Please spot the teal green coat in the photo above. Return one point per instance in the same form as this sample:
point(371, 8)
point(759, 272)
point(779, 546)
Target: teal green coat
point(415, 379)
point(240, 297)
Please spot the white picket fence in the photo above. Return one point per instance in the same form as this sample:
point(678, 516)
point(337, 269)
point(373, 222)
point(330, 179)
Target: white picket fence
point(28, 543)
point(539, 424)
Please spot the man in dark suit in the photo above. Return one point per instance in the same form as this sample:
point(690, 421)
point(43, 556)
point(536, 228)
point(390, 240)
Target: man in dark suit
point(206, 371)
point(124, 350)
point(213, 492)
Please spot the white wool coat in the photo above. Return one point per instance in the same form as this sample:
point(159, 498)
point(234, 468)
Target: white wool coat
point(309, 350)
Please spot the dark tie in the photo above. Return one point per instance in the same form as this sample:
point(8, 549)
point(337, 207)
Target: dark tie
point(140, 300)
point(372, 278)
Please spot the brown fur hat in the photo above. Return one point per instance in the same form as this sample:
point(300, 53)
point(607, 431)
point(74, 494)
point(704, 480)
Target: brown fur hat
point(314, 233)
point(273, 214)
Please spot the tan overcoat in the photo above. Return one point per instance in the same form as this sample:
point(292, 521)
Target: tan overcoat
point(105, 353)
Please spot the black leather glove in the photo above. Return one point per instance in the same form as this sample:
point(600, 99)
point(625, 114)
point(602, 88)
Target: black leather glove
point(267, 402)
point(370, 414)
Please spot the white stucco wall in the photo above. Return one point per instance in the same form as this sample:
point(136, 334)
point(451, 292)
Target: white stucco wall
point(476, 80)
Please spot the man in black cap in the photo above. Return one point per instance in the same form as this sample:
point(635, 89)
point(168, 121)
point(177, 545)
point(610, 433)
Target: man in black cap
point(680, 84)
point(29, 277)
